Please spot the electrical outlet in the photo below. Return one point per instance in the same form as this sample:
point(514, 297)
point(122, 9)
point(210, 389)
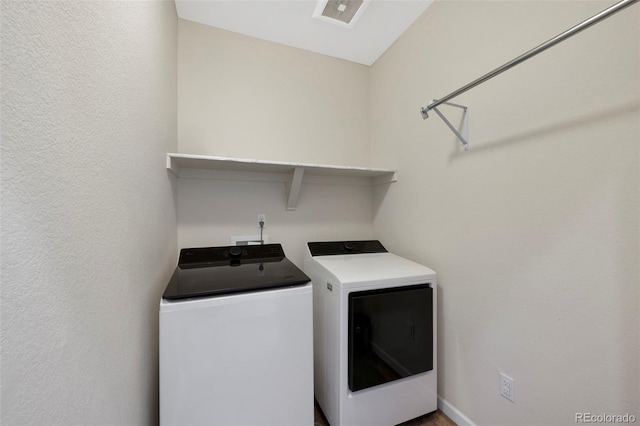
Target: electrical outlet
point(262, 218)
point(507, 388)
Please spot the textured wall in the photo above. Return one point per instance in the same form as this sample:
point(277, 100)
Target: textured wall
point(534, 232)
point(249, 98)
point(88, 212)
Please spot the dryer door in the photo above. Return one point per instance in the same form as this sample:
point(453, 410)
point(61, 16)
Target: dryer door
point(390, 334)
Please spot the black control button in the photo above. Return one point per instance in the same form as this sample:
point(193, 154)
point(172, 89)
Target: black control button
point(235, 251)
point(348, 246)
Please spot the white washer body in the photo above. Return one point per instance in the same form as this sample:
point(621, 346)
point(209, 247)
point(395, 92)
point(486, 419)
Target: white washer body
point(240, 359)
point(386, 404)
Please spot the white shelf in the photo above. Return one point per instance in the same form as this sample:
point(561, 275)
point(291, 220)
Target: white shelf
point(176, 162)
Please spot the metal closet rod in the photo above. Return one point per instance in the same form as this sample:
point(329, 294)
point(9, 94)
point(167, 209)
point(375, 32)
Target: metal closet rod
point(544, 46)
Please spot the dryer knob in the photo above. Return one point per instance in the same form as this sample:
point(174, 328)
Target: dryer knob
point(235, 251)
point(348, 246)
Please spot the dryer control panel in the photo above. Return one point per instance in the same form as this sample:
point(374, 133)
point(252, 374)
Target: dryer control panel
point(332, 248)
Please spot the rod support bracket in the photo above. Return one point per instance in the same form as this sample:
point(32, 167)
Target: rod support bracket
point(425, 112)
point(462, 137)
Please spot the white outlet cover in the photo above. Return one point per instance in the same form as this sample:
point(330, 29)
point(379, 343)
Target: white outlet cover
point(507, 388)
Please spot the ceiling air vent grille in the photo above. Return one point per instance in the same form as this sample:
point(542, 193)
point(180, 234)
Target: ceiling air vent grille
point(340, 12)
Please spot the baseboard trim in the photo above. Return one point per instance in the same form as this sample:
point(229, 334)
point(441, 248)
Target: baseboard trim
point(453, 413)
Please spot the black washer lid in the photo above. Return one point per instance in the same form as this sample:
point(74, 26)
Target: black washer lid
point(213, 271)
point(331, 248)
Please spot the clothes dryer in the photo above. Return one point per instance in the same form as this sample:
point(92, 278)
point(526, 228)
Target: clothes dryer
point(374, 333)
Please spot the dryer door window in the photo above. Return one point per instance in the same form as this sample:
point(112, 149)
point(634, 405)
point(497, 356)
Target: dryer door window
point(390, 334)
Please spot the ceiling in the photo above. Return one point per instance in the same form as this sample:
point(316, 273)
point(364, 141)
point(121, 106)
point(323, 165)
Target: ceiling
point(290, 22)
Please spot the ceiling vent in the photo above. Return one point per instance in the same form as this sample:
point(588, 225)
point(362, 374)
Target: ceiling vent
point(340, 12)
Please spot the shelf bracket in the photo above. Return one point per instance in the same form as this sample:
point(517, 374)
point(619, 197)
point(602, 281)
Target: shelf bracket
point(294, 187)
point(464, 137)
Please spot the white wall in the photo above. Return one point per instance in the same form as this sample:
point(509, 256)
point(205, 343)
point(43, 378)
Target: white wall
point(243, 97)
point(88, 209)
point(211, 211)
point(534, 232)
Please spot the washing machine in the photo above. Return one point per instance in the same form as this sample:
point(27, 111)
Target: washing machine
point(374, 333)
point(236, 345)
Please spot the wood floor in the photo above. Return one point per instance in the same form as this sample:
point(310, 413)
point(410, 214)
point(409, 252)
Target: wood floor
point(434, 419)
